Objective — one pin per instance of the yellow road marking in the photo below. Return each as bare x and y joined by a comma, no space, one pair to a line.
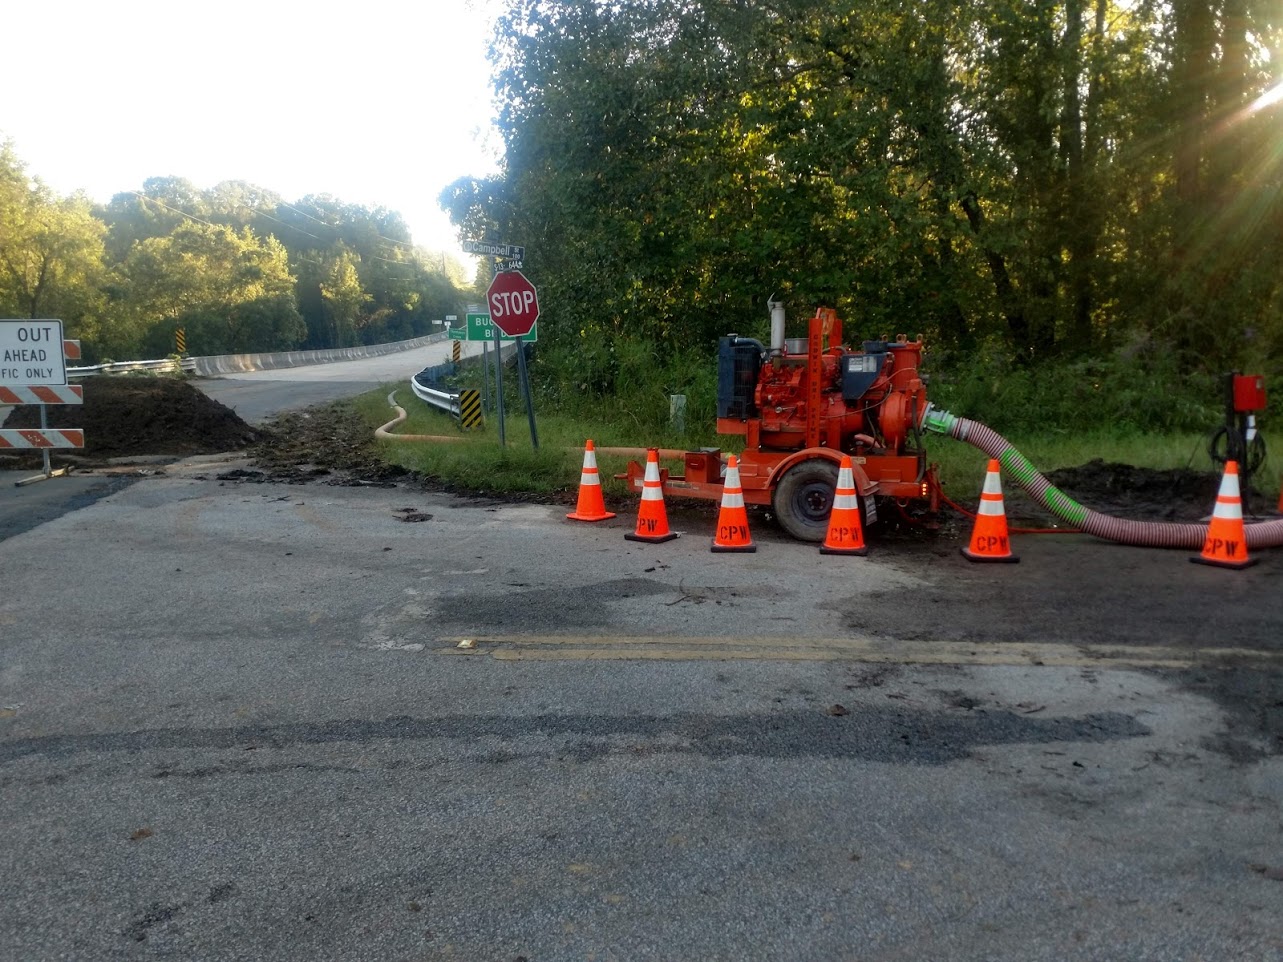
886,651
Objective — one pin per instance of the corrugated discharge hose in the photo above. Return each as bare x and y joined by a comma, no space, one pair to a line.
1145,534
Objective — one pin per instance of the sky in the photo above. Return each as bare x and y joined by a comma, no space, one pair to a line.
377,102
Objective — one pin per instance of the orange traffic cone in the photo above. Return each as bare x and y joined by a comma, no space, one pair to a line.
989,540
846,534
652,519
1226,542
591,506
732,520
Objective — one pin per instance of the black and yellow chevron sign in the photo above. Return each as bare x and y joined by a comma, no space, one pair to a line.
180,341
470,409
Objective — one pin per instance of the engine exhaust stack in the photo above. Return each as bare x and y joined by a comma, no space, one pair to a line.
777,326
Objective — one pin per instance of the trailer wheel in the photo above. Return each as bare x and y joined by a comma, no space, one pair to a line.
804,498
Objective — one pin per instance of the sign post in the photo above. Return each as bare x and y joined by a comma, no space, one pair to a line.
514,309
525,389
498,386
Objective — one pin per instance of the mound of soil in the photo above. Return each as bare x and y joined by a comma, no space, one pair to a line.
301,446
1144,494
131,416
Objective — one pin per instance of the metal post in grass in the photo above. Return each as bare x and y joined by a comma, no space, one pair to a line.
677,412
525,390
498,387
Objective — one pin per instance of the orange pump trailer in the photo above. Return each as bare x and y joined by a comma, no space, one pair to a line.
805,411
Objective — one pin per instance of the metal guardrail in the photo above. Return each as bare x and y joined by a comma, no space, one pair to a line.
168,365
447,401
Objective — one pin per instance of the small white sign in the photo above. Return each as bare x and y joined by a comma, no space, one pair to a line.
31,353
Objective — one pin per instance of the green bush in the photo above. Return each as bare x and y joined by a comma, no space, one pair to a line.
1138,388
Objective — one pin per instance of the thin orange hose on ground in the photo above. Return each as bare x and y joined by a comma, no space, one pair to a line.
384,433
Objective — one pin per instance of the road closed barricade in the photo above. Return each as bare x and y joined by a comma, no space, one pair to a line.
33,370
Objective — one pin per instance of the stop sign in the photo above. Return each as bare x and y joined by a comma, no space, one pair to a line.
514,303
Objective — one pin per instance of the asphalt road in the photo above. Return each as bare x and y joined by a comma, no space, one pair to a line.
257,395
276,722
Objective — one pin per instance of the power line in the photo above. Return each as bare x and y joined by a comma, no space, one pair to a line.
259,213
199,220
181,213
335,227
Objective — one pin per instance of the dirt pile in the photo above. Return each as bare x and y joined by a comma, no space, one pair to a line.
128,416
328,439
1144,494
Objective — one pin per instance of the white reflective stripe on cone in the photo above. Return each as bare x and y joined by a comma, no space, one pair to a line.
1231,510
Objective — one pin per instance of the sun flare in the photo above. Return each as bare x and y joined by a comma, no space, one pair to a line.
1269,98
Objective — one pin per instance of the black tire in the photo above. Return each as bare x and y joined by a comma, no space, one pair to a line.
804,498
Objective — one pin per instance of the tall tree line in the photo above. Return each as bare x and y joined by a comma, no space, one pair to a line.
1044,180
237,267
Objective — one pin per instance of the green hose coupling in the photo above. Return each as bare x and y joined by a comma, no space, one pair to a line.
941,422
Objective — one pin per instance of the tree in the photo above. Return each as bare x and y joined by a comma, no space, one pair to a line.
1052,179
51,251
232,288
401,286
155,211
344,298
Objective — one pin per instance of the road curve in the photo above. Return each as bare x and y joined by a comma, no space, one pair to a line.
257,395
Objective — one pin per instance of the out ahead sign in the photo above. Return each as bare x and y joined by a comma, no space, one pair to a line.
513,303
31,353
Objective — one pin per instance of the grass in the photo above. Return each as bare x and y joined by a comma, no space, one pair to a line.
476,462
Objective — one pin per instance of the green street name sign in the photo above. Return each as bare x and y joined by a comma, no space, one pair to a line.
477,327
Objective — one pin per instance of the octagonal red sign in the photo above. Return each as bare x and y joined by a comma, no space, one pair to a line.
513,303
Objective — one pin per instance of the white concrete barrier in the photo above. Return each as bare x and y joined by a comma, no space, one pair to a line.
240,363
